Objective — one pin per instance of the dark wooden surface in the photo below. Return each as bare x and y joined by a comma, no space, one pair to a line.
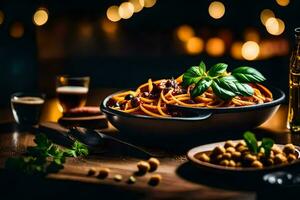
180,180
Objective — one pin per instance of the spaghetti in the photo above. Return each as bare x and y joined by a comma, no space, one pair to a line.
153,98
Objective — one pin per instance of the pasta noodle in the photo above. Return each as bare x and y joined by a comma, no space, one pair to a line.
153,98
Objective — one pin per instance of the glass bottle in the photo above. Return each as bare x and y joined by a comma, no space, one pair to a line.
294,86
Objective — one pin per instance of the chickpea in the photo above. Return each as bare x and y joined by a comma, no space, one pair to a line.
269,162
219,158
230,150
91,172
154,163
289,149
236,155
154,179
251,158
228,143
143,167
131,180
260,155
240,144
243,149
238,164
279,159
118,177
218,150
103,173
232,163
224,162
276,149
203,157
257,164
291,157
226,156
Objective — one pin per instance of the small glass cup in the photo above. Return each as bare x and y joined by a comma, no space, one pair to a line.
27,107
72,91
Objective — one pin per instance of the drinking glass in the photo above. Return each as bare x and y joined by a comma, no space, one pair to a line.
26,107
72,91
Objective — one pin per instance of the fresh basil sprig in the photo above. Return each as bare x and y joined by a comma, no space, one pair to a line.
224,84
46,157
252,145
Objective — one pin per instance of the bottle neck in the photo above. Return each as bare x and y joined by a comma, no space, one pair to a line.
297,34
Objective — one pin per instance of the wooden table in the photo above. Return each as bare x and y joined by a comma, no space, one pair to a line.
178,180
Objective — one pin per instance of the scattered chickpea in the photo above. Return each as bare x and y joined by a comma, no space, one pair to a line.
91,172
154,179
291,157
154,163
103,173
218,150
118,177
240,144
279,159
289,149
143,167
131,180
257,164
228,143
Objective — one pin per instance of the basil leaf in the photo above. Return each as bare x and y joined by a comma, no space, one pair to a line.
192,75
232,84
267,144
202,68
217,69
201,87
247,74
221,92
251,141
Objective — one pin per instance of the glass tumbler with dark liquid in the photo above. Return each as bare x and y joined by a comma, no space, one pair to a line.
294,86
72,91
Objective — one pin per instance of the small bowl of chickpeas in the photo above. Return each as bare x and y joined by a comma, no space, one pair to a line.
236,156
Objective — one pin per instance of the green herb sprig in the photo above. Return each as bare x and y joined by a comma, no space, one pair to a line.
225,85
45,157
252,144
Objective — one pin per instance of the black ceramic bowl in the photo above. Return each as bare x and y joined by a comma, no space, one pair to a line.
205,119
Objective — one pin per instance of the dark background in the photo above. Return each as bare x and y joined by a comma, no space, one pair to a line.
74,41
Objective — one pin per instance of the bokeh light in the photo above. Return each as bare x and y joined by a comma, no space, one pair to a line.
283,2
149,3
216,10
126,10
185,32
108,26
40,17
265,15
252,34
112,13
1,17
194,45
16,30
85,30
215,46
250,50
236,50
275,26
137,5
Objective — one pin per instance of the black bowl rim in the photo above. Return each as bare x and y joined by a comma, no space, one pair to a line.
279,95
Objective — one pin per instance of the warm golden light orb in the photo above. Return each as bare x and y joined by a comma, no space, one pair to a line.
126,10
216,9
112,13
194,45
40,17
185,32
250,50
215,46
